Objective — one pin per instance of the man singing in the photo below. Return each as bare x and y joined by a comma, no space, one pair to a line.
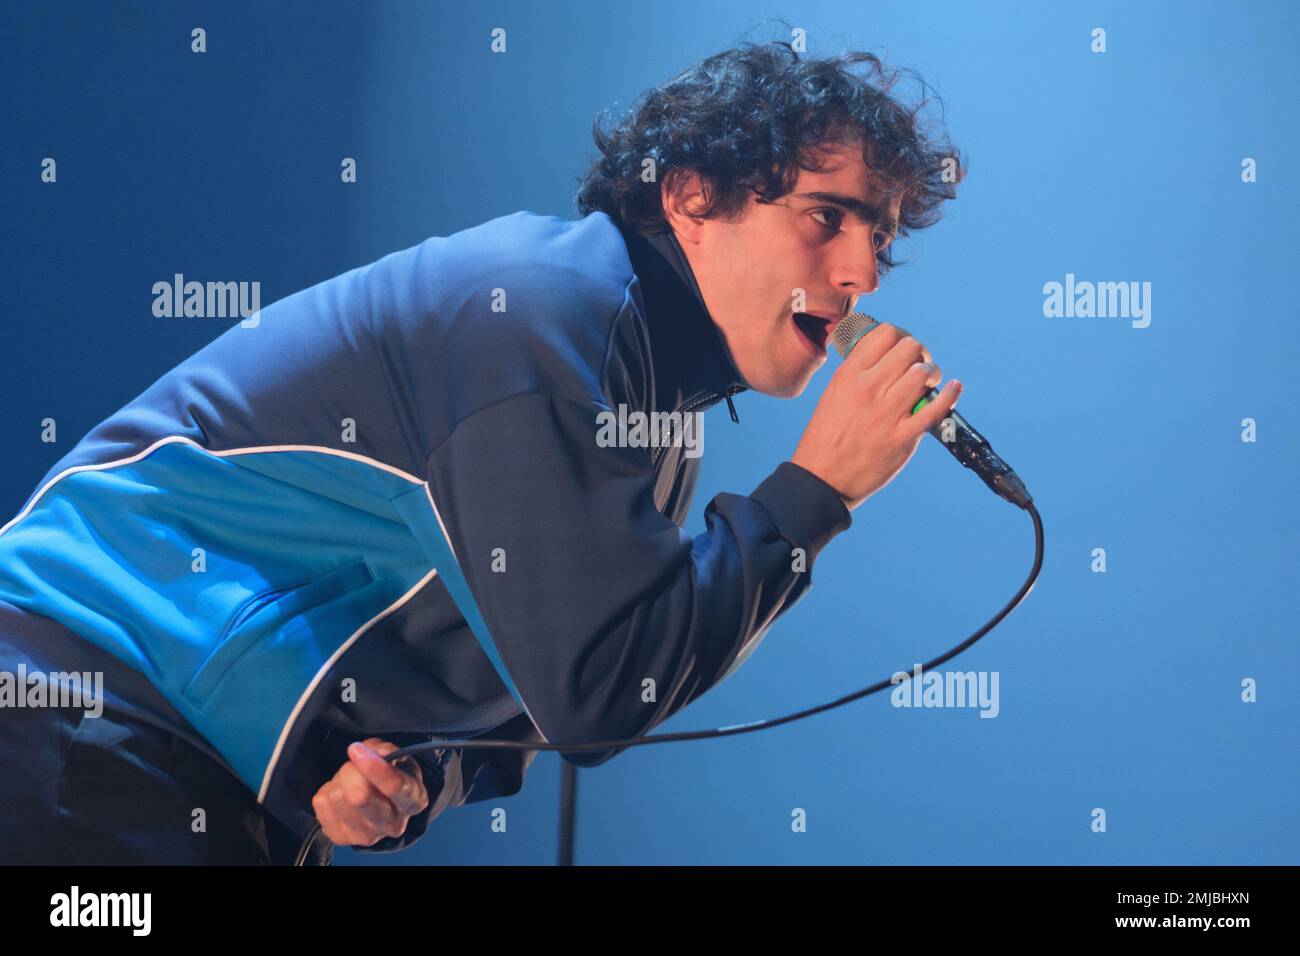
381,513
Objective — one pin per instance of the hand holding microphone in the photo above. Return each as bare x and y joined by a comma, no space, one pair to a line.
876,407
862,431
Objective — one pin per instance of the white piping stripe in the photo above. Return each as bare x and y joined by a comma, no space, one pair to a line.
185,439
432,504
442,527
320,674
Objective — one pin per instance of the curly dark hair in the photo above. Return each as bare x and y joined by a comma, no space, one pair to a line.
747,119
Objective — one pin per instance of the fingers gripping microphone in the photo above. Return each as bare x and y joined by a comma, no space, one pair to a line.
955,433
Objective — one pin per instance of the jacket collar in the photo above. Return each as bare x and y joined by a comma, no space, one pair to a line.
690,359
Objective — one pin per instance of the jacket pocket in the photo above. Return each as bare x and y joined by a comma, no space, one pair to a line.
263,614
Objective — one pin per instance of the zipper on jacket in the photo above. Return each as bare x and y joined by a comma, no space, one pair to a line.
696,403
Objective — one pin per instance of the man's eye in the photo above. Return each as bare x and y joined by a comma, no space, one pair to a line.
835,214
883,239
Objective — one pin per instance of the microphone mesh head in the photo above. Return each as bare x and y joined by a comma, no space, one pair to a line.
851,328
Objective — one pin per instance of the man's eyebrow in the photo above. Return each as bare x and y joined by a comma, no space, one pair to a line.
859,207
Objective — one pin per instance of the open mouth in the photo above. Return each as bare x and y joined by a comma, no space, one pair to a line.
813,328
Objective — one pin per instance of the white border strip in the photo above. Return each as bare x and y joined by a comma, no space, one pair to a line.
320,675
446,537
428,493
185,439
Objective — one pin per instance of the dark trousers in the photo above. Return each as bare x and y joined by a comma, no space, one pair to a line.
120,788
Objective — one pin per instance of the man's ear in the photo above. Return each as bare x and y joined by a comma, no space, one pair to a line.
683,191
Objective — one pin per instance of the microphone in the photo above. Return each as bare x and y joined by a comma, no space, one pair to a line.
966,444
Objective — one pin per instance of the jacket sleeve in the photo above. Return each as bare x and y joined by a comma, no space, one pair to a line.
606,616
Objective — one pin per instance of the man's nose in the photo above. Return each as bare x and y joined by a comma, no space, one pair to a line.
856,272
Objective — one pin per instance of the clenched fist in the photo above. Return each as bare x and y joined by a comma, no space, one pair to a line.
862,431
369,798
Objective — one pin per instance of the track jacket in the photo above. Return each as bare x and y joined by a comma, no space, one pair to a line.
383,510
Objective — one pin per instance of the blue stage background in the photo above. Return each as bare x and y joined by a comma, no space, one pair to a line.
1118,690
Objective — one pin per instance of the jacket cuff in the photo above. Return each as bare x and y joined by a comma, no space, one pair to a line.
806,510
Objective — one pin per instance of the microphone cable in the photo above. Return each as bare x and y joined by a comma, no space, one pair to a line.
730,731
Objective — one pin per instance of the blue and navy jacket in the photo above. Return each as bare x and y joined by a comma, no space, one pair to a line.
381,509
